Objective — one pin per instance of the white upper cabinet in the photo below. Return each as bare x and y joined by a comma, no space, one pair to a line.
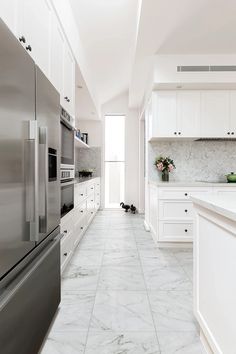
193,114
188,113
232,113
215,113
67,99
34,26
56,56
165,116
8,11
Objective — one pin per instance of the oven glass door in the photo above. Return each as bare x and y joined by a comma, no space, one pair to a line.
67,145
67,197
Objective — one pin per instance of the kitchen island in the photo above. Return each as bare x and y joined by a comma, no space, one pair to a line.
215,271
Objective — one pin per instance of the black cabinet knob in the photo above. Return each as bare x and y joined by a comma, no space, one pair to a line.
175,133
228,133
29,48
65,254
185,230
68,100
186,194
232,133
81,211
91,212
186,210
81,227
65,231
81,194
179,133
22,39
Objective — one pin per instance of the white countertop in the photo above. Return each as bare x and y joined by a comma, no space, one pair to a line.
221,204
192,184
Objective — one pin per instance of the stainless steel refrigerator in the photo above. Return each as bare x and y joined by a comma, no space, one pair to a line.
29,199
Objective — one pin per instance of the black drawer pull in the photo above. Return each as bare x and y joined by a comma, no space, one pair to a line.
232,133
22,39
175,133
65,254
81,227
81,194
228,133
29,48
65,231
179,133
186,194
186,210
81,211
185,230
91,212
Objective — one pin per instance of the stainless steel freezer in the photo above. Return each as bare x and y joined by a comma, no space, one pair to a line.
29,199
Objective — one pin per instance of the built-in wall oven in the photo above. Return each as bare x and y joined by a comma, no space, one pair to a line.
67,140
67,163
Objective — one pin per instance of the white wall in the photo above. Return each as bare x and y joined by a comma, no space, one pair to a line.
94,130
119,106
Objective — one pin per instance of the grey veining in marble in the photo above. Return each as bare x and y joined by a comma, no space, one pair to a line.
209,160
180,343
88,159
121,310
172,310
122,343
126,294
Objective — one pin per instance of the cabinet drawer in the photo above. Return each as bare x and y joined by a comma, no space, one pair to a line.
180,194
90,189
67,222
66,250
80,193
169,209
175,231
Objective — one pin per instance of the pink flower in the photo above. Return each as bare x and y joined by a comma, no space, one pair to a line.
160,166
170,167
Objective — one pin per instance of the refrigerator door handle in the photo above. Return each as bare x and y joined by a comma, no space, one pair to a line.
31,180
43,182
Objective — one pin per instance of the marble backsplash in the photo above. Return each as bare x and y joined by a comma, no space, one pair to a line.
195,160
88,159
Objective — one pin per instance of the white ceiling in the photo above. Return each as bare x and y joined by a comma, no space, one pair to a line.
107,29
121,37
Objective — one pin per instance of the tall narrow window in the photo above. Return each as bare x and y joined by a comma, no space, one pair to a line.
114,160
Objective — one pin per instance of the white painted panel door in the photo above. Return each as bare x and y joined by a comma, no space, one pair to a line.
56,57
69,81
215,114
153,208
188,113
233,113
34,18
8,12
165,117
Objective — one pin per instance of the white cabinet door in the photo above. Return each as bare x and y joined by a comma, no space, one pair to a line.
69,81
233,113
8,12
153,208
215,114
188,113
165,117
34,18
56,57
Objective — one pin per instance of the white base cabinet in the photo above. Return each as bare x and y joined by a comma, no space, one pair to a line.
171,212
76,222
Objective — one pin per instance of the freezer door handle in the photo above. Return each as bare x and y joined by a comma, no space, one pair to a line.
43,179
31,180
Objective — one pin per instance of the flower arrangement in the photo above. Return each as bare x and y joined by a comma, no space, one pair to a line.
164,165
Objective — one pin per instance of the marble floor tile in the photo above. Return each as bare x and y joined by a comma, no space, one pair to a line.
141,233
166,277
157,257
122,343
172,310
119,234
121,311
65,343
74,312
188,268
121,278
87,257
183,255
121,244
76,278
92,243
121,257
180,343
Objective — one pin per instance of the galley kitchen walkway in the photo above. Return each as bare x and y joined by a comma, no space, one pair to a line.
121,294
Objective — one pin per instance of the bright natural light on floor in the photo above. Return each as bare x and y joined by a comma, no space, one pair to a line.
114,160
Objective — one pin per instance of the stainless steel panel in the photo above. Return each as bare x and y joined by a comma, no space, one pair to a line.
17,107
48,118
30,302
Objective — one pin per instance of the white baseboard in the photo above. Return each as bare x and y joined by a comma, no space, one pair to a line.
146,226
